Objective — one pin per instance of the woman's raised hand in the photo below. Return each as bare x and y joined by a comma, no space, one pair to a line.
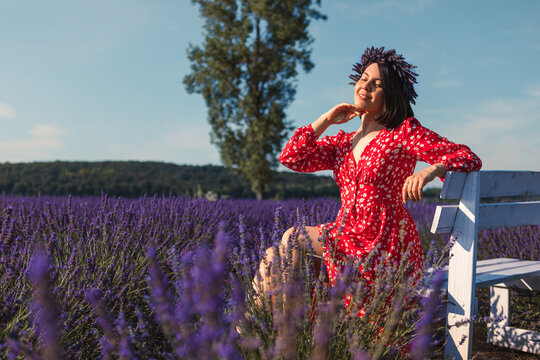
339,114
414,184
342,113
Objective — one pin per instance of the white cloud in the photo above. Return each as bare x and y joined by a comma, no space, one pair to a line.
503,132
6,111
187,138
41,141
534,90
190,145
47,136
182,145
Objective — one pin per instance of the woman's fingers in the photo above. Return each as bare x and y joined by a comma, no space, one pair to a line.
412,189
342,113
343,117
405,191
419,191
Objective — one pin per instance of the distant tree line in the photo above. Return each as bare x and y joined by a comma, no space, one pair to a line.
134,179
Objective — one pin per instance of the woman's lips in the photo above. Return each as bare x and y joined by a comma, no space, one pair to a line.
364,97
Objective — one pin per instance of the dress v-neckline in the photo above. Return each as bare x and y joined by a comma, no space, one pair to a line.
356,162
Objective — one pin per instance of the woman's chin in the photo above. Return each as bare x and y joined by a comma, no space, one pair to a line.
360,107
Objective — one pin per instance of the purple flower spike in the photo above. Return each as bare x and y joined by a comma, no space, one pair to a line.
162,299
45,311
421,345
124,351
14,348
108,340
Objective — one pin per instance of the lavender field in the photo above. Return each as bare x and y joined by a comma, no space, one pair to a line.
170,277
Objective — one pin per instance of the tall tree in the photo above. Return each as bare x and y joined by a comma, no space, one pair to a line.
246,71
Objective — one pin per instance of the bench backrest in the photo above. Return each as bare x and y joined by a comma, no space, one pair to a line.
491,184
464,221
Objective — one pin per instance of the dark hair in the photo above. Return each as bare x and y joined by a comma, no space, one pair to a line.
396,107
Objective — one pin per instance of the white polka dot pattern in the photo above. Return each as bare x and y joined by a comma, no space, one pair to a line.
371,211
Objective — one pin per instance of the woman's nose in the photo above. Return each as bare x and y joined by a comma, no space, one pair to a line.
364,87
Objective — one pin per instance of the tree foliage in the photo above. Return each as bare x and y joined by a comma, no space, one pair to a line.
246,70
133,179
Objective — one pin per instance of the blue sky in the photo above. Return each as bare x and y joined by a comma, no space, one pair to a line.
102,79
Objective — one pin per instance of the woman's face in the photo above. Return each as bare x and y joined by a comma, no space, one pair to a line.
368,91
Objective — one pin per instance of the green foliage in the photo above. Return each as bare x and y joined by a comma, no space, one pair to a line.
246,71
134,179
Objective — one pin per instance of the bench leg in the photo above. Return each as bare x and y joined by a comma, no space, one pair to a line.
459,338
500,304
500,333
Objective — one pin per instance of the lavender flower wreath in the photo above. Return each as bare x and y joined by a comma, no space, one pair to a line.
395,61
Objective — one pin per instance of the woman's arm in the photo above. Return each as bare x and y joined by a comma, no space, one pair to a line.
339,114
304,153
412,188
321,124
441,153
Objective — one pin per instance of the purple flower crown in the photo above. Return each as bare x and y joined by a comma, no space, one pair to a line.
390,58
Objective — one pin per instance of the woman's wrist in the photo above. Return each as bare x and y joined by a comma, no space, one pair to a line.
435,170
321,124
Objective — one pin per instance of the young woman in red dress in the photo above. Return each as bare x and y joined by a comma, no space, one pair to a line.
373,167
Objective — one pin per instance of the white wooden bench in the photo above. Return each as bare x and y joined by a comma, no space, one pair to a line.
465,274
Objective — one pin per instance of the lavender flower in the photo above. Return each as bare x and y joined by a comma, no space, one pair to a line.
109,340
421,345
101,243
162,299
45,310
124,352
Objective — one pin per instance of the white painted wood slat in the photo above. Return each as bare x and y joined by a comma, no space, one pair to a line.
453,185
494,184
462,266
482,263
485,266
501,270
444,218
508,274
500,304
509,214
491,216
519,339
509,183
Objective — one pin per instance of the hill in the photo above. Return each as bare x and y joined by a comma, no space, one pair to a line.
137,178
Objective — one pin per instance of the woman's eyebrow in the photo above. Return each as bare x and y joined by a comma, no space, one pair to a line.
367,74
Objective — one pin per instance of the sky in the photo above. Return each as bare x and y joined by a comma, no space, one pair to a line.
102,80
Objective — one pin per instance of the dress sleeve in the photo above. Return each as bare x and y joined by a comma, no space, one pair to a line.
432,148
304,153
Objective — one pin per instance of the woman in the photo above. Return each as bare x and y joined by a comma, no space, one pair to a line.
373,167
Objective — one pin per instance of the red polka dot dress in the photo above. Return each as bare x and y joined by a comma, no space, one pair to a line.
372,212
